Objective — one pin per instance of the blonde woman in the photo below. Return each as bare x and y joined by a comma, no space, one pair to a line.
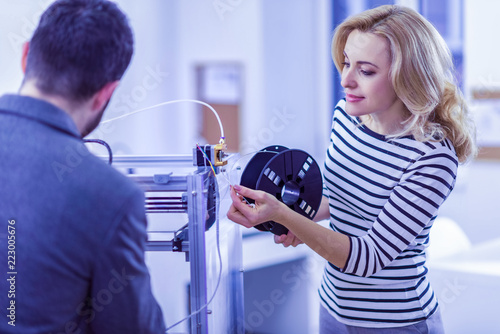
396,141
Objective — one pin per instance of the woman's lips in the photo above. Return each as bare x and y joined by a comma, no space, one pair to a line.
353,98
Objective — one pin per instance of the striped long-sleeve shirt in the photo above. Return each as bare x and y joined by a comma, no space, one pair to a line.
384,194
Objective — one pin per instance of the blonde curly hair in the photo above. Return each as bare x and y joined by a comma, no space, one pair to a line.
421,73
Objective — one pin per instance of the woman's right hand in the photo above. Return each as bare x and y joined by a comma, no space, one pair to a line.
265,207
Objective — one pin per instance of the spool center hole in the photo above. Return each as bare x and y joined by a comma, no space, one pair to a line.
290,192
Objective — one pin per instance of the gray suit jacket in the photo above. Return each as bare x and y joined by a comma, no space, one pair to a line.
72,232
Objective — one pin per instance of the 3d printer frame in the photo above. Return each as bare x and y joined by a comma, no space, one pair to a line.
195,196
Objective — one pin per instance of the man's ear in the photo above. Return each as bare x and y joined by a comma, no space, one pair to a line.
102,97
24,56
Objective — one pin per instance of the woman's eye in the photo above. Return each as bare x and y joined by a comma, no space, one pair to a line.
346,64
367,73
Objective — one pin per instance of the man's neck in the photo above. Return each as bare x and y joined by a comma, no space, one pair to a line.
76,112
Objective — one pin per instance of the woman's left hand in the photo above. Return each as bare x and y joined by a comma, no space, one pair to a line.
287,240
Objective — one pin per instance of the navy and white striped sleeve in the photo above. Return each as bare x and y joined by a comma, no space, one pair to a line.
412,205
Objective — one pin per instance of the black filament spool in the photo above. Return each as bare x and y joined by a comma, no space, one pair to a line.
291,175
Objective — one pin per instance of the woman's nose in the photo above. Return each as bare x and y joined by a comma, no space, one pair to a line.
347,80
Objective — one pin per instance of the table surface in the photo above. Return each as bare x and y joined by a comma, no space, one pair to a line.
480,259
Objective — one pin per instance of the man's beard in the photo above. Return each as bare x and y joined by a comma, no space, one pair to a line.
94,123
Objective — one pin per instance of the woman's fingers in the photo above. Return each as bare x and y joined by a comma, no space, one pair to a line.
287,240
241,211
238,200
296,242
264,207
278,239
236,216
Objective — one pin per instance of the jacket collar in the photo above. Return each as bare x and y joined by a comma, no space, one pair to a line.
39,111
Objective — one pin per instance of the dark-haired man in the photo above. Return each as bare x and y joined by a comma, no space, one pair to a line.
73,229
